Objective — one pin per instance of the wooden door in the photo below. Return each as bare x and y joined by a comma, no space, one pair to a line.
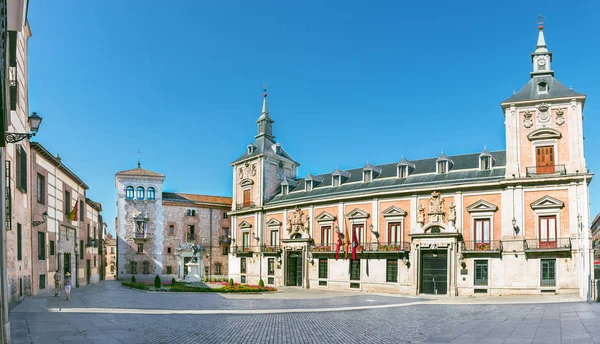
544,159
547,234
246,198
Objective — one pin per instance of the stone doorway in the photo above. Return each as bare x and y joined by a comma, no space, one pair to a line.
294,269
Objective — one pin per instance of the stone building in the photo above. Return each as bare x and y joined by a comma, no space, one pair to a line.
156,229
93,223
497,223
110,257
18,222
61,216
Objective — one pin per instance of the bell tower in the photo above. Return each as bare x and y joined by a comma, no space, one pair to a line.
541,58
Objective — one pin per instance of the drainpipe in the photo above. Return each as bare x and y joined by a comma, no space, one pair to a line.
210,247
4,321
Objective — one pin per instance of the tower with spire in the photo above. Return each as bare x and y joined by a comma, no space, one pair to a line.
544,122
258,173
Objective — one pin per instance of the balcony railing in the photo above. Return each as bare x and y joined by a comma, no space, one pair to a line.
270,248
224,239
243,249
482,246
366,247
190,237
537,171
140,235
557,244
245,205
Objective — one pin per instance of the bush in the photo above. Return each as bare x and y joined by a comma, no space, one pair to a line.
231,282
205,279
173,281
261,283
133,279
157,283
223,279
214,279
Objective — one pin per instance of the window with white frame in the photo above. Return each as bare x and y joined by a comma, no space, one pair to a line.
274,237
394,233
486,163
442,167
140,192
325,235
336,181
367,176
309,185
402,171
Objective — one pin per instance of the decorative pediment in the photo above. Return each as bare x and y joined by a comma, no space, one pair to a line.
274,223
547,202
357,214
140,217
394,211
246,182
325,216
481,206
544,134
245,225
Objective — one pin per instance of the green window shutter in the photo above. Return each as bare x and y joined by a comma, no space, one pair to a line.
23,169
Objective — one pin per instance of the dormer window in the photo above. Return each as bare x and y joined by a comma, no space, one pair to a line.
486,163
367,176
336,181
542,87
443,164
402,171
309,185
250,149
442,167
277,148
285,189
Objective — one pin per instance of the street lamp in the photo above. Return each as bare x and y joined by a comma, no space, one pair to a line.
34,125
76,250
515,227
44,217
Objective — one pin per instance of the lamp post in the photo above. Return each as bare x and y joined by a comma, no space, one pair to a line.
44,217
34,125
76,250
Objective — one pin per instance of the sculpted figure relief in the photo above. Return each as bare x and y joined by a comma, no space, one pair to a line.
452,212
298,222
421,214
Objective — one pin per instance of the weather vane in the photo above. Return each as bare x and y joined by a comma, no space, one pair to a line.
265,88
540,19
138,155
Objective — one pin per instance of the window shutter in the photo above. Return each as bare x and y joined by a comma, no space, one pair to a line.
23,169
12,48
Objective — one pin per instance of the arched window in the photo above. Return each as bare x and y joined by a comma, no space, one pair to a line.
129,192
140,192
151,193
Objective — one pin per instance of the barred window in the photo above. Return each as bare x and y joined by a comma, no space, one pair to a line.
243,265
271,267
354,270
322,267
391,271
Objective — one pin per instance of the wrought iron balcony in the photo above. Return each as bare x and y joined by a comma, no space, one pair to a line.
224,239
245,205
243,249
270,248
140,236
91,242
482,246
190,237
544,171
366,247
556,244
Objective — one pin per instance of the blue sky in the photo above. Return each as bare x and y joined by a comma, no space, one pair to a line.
349,81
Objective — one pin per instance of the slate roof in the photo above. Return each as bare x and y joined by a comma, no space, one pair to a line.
465,169
266,146
138,171
196,199
555,90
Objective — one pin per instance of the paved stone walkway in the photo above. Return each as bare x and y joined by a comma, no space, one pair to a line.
109,313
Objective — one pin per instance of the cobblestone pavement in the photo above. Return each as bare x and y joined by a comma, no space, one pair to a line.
42,319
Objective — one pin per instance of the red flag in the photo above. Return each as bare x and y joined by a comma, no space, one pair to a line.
338,244
354,244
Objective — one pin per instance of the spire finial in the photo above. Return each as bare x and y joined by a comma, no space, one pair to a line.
138,156
265,89
540,19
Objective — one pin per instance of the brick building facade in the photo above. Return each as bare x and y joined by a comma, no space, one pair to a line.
498,223
155,229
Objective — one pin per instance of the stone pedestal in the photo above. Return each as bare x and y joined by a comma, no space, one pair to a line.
194,272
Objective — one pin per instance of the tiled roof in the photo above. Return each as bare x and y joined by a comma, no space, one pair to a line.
138,171
195,198
465,169
555,90
57,162
93,204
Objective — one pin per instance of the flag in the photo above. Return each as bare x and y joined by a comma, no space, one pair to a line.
73,213
346,244
354,244
338,245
